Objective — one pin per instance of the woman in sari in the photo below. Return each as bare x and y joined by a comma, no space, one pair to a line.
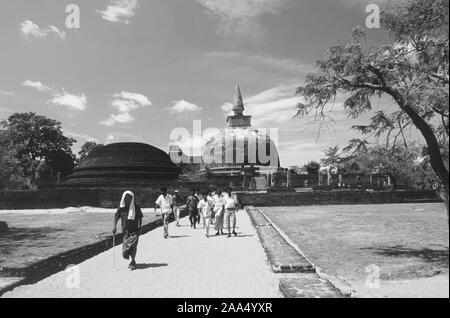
130,216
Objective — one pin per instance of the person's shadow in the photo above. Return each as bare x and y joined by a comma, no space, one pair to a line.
244,235
153,265
178,236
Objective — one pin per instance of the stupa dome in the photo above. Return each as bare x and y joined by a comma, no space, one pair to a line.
237,146
124,163
240,145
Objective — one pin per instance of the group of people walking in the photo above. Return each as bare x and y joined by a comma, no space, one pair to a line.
214,208
206,209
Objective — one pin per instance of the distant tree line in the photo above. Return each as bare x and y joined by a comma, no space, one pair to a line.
403,164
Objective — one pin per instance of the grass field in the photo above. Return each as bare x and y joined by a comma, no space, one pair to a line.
406,241
35,236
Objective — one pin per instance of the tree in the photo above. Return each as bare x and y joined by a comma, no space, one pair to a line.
413,70
61,161
11,173
332,158
312,167
36,140
398,163
297,169
38,136
87,148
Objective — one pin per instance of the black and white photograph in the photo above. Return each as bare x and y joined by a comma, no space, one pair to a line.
228,156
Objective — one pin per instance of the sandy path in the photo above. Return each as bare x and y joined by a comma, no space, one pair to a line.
187,265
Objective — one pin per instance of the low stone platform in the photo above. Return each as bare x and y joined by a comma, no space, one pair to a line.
298,277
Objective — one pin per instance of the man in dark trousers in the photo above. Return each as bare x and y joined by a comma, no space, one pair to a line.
192,207
231,207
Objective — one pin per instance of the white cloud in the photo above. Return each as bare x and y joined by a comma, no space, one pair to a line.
120,11
37,85
134,97
121,137
124,118
32,31
124,103
6,93
227,107
79,136
113,119
182,106
124,106
80,139
76,102
273,113
273,94
290,65
239,17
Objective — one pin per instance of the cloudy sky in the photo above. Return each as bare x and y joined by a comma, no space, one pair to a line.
135,70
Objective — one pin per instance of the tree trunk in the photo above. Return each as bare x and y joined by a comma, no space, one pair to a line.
393,180
444,193
434,151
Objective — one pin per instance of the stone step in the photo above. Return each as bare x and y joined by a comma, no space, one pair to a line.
308,286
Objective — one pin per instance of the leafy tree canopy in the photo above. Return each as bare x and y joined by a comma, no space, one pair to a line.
312,167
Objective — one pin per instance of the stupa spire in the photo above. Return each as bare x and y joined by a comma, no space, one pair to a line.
238,119
238,103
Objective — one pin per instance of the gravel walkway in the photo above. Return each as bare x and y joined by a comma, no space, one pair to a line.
186,265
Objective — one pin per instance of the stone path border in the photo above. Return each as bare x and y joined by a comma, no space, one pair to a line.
298,276
9,283
282,256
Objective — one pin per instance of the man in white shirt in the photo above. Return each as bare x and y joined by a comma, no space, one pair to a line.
230,212
205,209
165,203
